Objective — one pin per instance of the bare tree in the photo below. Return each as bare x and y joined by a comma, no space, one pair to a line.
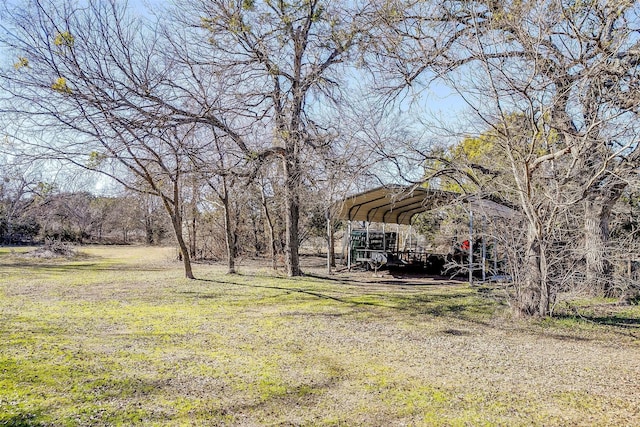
92,84
283,56
567,72
221,183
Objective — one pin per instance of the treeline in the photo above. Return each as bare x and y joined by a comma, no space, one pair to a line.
82,217
30,217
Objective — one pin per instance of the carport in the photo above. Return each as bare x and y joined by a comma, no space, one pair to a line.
396,204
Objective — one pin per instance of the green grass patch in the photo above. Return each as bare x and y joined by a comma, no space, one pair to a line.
117,336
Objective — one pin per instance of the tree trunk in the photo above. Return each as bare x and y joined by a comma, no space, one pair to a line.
597,214
193,223
257,245
172,207
228,230
534,296
292,215
546,295
331,258
332,246
271,230
595,238
229,239
176,222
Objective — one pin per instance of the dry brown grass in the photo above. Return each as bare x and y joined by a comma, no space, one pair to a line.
119,338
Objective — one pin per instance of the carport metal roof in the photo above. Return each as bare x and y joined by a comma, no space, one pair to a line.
398,204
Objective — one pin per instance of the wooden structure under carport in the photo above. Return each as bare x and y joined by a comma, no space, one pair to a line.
396,204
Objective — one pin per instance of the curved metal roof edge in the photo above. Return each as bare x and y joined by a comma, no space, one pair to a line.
391,201
379,210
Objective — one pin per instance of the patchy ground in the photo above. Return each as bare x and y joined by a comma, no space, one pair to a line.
120,338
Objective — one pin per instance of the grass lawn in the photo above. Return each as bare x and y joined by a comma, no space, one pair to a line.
117,337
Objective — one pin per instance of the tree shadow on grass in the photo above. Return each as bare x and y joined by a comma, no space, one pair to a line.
461,305
68,268
281,288
329,278
28,419
617,320
625,326
567,337
402,280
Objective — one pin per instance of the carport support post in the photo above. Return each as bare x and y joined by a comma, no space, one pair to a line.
367,226
349,245
484,249
470,247
495,248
